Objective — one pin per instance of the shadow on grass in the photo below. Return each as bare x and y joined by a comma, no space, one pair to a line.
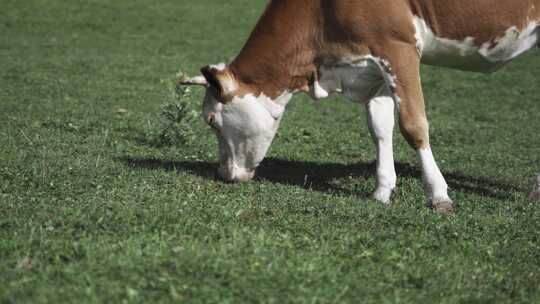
324,177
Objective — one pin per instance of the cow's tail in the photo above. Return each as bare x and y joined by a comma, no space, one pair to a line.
537,30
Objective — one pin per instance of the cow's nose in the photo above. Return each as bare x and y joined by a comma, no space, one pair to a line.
211,118
245,176
235,174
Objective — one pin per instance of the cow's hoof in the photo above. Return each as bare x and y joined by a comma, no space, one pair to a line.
382,195
535,196
442,206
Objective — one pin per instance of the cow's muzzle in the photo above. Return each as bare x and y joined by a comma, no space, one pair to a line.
235,174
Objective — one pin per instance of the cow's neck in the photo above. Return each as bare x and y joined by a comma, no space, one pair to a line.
280,54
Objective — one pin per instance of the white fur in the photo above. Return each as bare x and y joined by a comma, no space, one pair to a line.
275,107
245,128
434,183
318,91
357,78
219,66
381,124
512,44
467,55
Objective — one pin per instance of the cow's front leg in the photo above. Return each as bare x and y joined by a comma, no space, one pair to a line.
405,65
380,111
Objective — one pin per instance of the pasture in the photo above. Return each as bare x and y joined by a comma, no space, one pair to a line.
94,209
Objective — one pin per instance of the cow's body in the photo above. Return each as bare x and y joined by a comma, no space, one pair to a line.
293,39
370,51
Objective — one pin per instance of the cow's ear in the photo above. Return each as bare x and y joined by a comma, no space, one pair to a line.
222,80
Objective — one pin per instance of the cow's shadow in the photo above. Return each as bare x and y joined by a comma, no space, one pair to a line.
322,176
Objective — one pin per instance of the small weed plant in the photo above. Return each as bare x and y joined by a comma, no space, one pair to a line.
173,125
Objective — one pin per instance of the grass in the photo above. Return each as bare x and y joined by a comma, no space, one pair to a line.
92,211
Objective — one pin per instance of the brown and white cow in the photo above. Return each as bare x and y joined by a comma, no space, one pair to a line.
368,51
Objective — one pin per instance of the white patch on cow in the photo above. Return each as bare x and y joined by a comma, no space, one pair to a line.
380,112
245,128
357,78
434,183
318,91
512,44
430,45
219,66
275,107
467,55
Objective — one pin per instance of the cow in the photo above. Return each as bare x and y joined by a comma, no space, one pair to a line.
368,51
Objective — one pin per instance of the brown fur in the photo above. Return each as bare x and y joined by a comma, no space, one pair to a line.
294,37
484,20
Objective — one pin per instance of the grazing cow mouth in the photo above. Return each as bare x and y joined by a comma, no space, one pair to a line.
235,174
229,170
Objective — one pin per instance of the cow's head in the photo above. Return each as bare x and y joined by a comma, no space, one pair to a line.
244,122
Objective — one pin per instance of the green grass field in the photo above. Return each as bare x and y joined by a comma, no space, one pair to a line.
93,210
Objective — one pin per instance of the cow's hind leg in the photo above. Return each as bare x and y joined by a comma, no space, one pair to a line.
405,65
380,111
